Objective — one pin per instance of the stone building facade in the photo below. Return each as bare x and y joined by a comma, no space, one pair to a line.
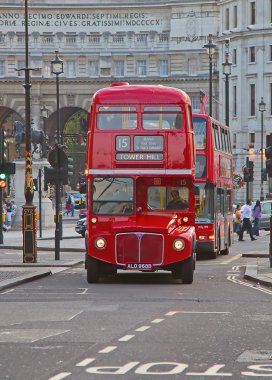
154,42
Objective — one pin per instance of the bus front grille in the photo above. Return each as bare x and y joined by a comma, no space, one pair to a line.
139,247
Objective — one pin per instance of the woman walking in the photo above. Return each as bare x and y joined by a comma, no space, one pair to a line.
257,213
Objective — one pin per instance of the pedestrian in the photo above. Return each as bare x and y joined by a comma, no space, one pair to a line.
8,206
247,226
237,226
14,210
257,213
68,206
72,199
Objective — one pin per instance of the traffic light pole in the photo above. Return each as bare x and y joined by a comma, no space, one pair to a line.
1,214
40,200
247,183
57,220
270,243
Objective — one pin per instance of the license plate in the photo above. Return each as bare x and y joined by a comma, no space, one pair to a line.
139,266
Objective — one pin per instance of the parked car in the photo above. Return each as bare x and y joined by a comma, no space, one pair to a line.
264,222
81,226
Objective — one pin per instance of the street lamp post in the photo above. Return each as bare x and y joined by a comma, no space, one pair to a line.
262,109
210,47
57,69
28,222
227,71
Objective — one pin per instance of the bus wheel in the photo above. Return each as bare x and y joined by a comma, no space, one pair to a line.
92,270
226,250
176,271
187,270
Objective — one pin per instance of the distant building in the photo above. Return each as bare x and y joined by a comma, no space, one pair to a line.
154,42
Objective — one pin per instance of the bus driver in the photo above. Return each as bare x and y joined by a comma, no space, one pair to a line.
176,203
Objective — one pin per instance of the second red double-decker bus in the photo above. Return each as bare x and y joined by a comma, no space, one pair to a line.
214,214
141,163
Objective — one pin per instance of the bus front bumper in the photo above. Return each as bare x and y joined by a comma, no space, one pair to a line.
205,247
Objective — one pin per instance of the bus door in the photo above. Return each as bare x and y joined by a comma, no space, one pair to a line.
227,211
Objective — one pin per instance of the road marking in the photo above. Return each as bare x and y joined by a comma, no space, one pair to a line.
60,376
73,316
107,349
236,257
85,362
50,335
253,286
8,291
211,371
84,290
158,320
126,338
170,313
203,312
143,328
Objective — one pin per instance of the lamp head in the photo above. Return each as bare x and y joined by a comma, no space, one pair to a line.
57,64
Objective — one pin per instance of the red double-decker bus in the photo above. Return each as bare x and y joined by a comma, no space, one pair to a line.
141,163
214,168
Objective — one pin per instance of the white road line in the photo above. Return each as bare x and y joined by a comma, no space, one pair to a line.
253,286
84,290
126,338
203,312
60,376
143,328
170,313
85,362
107,349
8,291
159,320
49,336
73,316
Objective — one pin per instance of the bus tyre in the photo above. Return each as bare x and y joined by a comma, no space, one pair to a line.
187,270
226,250
92,270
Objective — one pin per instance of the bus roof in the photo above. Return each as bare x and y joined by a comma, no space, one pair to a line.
125,93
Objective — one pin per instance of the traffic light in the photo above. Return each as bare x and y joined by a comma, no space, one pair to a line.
35,184
251,171
268,156
246,174
50,175
3,180
70,167
61,167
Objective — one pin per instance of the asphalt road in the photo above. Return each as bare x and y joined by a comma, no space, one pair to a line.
139,326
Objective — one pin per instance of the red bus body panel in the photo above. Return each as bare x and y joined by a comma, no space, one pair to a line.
214,237
146,236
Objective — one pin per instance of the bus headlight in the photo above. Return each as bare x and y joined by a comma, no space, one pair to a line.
178,245
100,243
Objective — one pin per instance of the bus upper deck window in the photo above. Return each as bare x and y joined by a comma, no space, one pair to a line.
162,117
116,118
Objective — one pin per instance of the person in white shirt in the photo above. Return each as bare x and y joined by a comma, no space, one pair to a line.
247,226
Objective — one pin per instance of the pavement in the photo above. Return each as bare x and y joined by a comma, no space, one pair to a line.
72,253
14,272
